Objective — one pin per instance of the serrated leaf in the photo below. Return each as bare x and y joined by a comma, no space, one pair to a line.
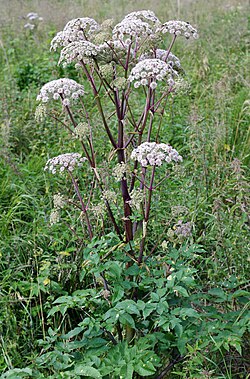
145,369
127,371
87,371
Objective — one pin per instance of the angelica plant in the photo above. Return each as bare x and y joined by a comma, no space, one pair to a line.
119,62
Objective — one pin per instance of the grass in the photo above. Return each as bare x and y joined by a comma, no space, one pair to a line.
209,124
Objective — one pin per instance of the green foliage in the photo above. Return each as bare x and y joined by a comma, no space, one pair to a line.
73,309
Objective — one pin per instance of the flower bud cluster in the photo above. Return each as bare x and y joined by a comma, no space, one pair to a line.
111,50
149,71
40,112
54,217
136,198
98,210
78,29
82,130
119,171
77,51
109,196
59,201
64,162
177,210
64,89
182,229
179,28
154,154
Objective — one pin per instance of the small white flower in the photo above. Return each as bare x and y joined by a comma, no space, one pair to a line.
66,102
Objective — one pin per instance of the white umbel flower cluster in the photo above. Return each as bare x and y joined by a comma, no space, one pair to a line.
78,29
144,15
64,162
130,29
77,51
33,20
64,89
149,71
179,28
163,55
154,154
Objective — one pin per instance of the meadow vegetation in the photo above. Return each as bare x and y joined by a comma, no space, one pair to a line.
171,302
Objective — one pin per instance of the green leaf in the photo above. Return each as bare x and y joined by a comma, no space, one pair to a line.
162,306
126,319
178,330
145,369
87,371
240,293
74,332
155,296
113,268
149,308
179,290
218,292
118,294
17,373
129,306
127,371
133,270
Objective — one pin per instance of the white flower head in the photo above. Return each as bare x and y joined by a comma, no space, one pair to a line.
77,51
150,71
78,29
144,15
178,28
64,162
64,89
163,55
154,154
29,26
132,29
